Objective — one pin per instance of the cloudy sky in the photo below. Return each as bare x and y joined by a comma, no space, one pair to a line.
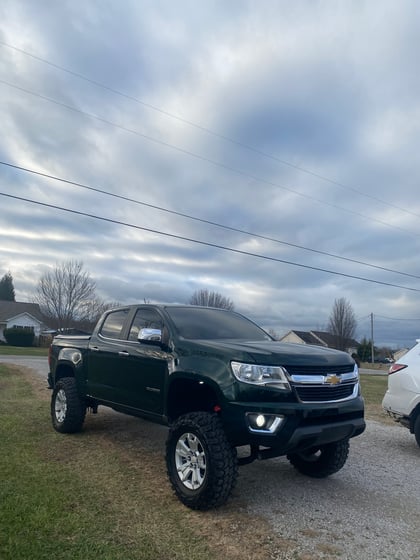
268,151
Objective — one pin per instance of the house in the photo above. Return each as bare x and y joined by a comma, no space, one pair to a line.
319,338
19,314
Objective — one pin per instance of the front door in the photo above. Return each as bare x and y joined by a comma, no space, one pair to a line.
143,366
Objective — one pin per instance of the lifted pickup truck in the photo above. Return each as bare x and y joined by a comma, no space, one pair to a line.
219,382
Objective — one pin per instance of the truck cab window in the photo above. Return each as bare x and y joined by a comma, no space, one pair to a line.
114,323
144,319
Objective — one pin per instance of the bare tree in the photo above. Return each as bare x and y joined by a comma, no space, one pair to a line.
342,323
211,299
90,312
274,334
63,294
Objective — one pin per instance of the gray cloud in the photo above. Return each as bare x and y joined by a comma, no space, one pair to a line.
333,90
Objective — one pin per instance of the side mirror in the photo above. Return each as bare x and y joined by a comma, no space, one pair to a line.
151,336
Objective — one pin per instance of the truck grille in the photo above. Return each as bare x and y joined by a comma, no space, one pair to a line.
319,370
322,393
324,383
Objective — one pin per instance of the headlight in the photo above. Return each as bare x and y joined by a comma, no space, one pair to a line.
255,374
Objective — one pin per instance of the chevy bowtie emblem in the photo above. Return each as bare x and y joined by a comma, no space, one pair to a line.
332,379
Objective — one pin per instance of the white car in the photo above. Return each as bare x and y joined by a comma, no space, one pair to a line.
402,399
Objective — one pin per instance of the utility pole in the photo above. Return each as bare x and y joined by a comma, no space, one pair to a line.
371,339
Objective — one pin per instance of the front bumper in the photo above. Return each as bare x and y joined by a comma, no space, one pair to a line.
301,426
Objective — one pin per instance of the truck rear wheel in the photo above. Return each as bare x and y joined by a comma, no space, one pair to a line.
320,462
201,463
67,408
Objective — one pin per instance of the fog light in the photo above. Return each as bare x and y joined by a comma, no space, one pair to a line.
260,421
264,423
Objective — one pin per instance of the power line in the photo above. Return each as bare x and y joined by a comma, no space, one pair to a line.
204,158
394,318
208,130
209,222
206,243
363,318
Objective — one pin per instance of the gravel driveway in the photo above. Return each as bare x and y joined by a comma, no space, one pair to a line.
370,510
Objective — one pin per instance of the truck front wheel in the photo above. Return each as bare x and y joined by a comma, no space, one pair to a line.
319,462
67,408
201,464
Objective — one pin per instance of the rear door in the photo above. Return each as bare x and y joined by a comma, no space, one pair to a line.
104,359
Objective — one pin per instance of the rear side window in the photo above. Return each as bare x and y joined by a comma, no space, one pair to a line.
114,323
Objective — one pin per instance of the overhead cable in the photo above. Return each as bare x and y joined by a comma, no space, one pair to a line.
209,222
208,130
205,243
204,158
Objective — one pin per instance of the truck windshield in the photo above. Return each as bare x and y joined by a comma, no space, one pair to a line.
198,323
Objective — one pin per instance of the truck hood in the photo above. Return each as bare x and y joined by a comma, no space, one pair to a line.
278,353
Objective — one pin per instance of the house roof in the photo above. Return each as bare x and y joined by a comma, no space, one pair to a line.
327,338
331,339
321,338
308,337
10,309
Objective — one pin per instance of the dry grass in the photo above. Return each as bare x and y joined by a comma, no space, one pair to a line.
104,492
5,349
116,496
373,390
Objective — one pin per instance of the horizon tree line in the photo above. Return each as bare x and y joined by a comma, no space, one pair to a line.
67,298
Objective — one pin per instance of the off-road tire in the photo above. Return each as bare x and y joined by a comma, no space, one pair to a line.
320,462
67,408
201,464
417,429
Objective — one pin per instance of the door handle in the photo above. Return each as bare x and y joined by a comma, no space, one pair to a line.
123,353
94,348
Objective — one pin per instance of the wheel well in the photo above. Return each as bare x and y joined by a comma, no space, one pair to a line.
188,395
63,371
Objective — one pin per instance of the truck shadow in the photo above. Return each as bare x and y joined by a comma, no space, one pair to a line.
128,430
260,481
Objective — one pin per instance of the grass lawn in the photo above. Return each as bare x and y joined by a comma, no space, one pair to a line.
373,391
103,493
5,349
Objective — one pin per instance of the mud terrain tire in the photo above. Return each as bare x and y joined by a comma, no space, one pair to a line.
320,462
67,408
201,463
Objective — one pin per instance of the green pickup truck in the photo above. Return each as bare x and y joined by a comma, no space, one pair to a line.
220,382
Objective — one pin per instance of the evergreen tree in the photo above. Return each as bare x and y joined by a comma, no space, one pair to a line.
7,291
364,350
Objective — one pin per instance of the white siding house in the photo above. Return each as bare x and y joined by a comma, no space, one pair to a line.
19,314
318,338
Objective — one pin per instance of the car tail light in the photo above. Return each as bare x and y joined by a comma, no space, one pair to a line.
396,367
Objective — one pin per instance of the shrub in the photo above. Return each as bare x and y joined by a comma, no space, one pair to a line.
19,336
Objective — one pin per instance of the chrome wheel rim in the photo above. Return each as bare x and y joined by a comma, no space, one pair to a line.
60,405
190,461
